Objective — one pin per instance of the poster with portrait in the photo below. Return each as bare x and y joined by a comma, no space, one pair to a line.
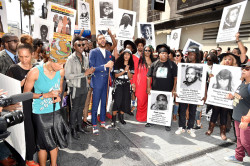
147,31
190,43
3,18
225,80
160,106
126,20
120,43
63,19
83,15
230,22
17,136
106,14
191,83
43,29
175,39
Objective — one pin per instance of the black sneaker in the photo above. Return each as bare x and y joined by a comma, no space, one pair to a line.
167,128
197,127
148,125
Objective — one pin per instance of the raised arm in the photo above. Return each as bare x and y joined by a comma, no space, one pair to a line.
241,47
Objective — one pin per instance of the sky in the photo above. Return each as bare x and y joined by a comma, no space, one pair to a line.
13,12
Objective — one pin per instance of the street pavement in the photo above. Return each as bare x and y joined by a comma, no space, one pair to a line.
134,144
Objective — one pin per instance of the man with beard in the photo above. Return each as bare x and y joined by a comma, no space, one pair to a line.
101,60
8,55
44,33
192,78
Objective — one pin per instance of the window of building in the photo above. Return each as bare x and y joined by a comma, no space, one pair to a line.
153,15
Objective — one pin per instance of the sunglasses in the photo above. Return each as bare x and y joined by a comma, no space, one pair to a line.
209,60
147,50
177,55
218,50
247,68
79,45
16,41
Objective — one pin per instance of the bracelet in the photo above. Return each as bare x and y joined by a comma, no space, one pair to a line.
41,96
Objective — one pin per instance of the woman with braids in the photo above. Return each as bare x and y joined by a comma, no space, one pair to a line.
19,72
140,83
124,70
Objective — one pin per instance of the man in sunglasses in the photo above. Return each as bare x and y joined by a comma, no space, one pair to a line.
241,116
8,55
76,72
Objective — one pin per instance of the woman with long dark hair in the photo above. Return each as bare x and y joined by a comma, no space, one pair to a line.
140,83
124,70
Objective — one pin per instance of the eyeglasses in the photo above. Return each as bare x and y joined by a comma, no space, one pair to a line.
147,50
79,45
16,41
247,68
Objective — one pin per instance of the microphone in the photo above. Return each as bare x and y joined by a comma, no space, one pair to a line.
15,99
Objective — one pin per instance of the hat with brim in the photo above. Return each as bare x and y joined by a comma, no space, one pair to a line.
246,64
126,42
109,43
160,46
221,56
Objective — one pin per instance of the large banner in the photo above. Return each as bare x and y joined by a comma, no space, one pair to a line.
147,31
105,14
160,106
17,136
230,22
126,20
191,83
225,80
63,19
190,43
3,18
83,15
175,39
43,29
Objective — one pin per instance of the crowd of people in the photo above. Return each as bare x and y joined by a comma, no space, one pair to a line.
77,76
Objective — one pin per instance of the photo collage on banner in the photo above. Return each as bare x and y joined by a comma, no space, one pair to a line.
3,18
17,136
105,17
43,29
63,19
160,105
190,43
230,22
191,81
175,39
146,31
226,79
83,15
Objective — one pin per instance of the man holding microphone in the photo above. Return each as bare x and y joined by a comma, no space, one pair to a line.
101,60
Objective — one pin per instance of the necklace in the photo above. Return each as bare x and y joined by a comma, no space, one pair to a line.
51,71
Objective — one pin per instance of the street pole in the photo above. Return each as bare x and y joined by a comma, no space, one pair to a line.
21,16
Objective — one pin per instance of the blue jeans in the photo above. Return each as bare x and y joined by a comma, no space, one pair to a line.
4,151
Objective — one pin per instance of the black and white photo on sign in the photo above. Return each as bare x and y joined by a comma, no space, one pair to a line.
147,31
43,29
17,136
120,43
225,80
230,22
160,1
190,43
175,39
106,14
3,19
191,81
126,21
83,15
160,106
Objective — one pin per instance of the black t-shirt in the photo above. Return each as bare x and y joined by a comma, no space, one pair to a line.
163,74
241,103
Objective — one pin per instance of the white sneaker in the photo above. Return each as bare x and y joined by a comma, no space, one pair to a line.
191,132
180,131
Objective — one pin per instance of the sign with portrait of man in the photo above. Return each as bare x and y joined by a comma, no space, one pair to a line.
191,82
147,31
126,20
225,80
230,22
43,29
190,43
106,14
83,15
3,18
175,39
160,105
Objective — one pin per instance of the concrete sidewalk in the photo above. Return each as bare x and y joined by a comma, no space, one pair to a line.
134,144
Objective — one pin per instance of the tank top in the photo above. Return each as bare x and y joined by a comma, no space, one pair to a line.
44,85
